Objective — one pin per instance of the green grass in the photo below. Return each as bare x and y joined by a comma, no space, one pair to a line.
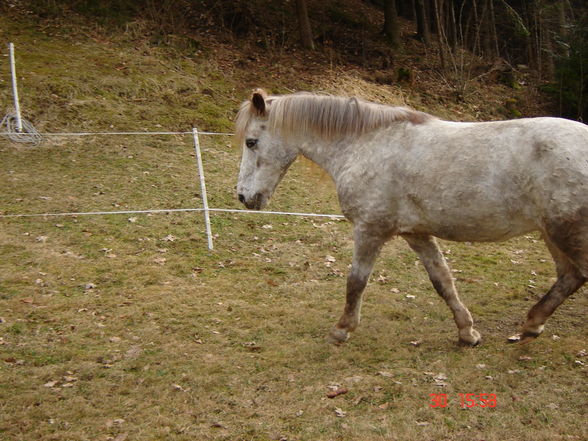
112,331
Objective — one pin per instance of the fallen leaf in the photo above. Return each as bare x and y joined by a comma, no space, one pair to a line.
133,352
160,260
50,384
354,379
439,379
358,400
337,392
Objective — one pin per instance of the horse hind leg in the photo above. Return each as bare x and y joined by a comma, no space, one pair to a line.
436,266
570,253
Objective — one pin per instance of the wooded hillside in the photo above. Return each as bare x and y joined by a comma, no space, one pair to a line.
514,42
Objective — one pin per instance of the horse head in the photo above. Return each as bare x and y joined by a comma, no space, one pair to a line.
265,157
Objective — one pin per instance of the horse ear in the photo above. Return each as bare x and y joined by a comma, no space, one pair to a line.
258,101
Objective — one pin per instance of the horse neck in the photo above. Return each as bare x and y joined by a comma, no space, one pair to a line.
330,156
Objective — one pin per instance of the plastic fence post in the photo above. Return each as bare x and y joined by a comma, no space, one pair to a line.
203,188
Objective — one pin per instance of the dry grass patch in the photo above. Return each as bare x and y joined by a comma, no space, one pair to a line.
114,328
127,327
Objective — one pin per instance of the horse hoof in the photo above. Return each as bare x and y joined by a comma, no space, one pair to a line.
514,338
528,334
338,336
471,338
523,337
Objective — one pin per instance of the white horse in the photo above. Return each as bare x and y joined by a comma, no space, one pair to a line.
402,172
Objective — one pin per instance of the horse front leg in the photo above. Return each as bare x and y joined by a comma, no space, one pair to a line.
366,249
436,266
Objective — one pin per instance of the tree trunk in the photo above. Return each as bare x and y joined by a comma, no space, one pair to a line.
391,29
439,17
304,25
562,29
422,18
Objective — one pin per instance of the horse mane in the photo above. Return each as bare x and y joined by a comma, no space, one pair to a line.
326,116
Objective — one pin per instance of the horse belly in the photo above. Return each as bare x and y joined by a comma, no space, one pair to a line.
481,233
472,222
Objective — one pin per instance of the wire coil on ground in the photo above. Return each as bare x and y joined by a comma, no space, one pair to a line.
28,134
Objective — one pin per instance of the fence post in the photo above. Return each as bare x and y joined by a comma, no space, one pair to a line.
202,188
14,88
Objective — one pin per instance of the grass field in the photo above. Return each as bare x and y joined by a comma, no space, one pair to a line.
125,327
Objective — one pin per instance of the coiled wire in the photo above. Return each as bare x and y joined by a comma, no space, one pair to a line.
28,134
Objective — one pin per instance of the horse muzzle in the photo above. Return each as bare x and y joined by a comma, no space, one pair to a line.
255,203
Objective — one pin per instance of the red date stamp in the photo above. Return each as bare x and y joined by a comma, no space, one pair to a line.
465,400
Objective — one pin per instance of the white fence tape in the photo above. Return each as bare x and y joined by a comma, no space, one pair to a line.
206,209
173,210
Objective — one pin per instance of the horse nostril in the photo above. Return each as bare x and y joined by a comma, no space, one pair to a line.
241,198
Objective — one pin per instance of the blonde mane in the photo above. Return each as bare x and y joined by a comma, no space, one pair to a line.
326,116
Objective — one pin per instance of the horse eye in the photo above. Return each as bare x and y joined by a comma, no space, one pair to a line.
251,143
